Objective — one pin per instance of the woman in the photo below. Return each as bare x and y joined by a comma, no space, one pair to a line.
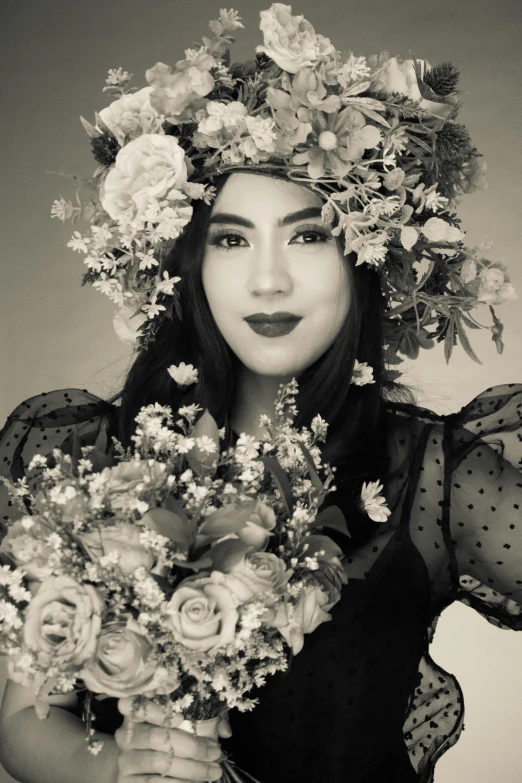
363,701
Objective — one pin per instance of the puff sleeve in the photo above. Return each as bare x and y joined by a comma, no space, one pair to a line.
65,419
485,499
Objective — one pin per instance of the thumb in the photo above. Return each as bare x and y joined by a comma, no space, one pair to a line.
224,729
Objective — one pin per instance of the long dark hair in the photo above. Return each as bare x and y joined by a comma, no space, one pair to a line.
357,434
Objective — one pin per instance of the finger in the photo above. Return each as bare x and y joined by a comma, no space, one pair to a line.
224,727
143,762
149,712
146,736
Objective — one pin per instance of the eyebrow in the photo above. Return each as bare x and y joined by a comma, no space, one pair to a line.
292,217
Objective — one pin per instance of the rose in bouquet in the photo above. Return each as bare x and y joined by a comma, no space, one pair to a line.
185,571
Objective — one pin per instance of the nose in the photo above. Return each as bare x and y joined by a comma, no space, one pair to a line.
268,273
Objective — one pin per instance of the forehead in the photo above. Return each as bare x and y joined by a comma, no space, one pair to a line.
257,195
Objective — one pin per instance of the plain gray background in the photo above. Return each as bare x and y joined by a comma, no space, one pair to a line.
55,55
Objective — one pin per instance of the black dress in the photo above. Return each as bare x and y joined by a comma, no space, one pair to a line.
364,702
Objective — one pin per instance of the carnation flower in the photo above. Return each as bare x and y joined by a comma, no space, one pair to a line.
373,503
183,374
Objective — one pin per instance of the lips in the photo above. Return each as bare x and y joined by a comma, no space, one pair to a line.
272,324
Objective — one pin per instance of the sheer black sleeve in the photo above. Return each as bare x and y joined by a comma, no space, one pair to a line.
486,504
66,419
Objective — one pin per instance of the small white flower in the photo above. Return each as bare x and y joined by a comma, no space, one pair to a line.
373,503
183,374
62,209
166,286
38,461
78,243
153,309
206,444
362,374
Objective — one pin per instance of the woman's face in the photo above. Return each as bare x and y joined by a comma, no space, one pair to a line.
267,252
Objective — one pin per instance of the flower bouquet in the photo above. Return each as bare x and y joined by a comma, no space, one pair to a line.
182,571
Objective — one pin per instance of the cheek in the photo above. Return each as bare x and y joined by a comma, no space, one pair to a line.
332,293
220,288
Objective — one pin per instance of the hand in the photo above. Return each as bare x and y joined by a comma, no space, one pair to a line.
147,757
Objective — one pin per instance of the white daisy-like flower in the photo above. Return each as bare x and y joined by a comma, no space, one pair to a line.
362,374
78,243
183,374
166,286
153,309
373,503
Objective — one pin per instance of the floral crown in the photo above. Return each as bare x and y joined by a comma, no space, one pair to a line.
376,138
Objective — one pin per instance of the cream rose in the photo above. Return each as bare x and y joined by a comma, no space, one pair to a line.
149,166
131,115
26,543
251,522
310,611
63,621
128,477
203,613
401,78
291,41
122,539
251,574
120,665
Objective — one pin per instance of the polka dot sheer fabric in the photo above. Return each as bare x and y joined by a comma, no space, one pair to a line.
364,701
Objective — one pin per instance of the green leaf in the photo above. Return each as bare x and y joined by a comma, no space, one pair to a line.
465,342
93,132
201,462
171,504
316,543
469,322
316,481
449,340
281,481
373,115
169,525
333,518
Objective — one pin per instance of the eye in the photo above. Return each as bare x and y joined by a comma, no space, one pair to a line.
217,238
319,235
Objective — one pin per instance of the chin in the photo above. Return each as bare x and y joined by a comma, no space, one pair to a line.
277,369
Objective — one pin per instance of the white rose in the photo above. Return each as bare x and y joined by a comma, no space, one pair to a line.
131,115
401,78
149,166
290,41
